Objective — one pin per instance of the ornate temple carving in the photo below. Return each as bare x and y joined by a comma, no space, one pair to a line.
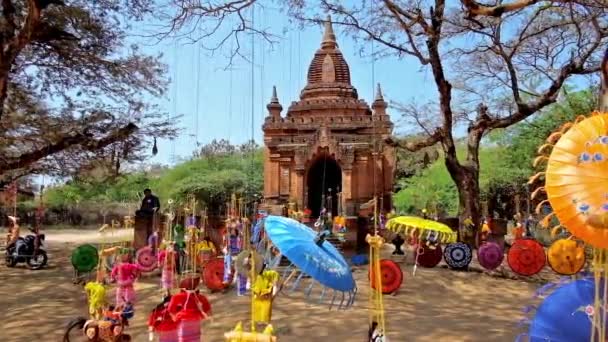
327,139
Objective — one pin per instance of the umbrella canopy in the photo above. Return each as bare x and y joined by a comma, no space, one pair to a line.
490,255
392,276
85,258
564,315
526,257
146,259
458,255
426,229
310,253
213,275
576,180
566,257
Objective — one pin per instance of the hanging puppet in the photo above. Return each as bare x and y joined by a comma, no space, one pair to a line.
167,260
125,273
161,323
96,295
188,308
234,248
264,289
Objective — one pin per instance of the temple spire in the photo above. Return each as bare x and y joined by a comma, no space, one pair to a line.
274,98
379,106
274,107
329,37
379,96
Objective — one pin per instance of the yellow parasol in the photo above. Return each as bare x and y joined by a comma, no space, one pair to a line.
576,180
425,229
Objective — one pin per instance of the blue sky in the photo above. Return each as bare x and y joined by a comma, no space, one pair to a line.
221,107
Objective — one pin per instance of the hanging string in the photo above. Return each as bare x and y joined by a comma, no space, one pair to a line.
230,96
376,296
198,92
263,49
247,241
175,75
290,64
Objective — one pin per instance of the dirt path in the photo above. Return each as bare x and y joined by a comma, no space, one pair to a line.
436,305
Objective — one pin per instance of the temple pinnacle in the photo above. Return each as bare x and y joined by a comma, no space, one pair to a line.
274,98
329,37
379,96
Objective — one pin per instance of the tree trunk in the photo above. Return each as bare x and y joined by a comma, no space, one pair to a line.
3,91
467,183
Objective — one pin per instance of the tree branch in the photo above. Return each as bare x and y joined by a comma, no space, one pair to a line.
414,146
81,139
475,9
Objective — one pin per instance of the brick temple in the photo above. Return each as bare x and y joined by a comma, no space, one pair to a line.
330,146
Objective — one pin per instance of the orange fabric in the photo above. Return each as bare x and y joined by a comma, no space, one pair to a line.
576,180
518,232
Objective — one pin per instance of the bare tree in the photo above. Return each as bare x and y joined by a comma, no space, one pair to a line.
493,65
72,94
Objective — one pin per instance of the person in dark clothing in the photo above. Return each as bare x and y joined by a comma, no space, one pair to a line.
398,242
150,203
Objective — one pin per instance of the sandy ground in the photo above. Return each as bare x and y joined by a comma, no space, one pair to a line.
435,305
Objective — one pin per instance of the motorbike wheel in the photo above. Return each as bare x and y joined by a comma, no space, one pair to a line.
10,261
39,261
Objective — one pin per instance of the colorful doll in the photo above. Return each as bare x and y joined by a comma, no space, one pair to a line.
188,308
161,323
234,248
264,289
96,297
167,260
180,244
125,273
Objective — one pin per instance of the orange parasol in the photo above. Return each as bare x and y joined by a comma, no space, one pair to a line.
566,257
576,180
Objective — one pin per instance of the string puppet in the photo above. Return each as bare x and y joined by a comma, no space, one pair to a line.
188,308
125,273
167,259
161,323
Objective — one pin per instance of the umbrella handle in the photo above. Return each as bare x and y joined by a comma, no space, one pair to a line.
287,280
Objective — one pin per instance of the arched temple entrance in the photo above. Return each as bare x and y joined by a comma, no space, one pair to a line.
323,182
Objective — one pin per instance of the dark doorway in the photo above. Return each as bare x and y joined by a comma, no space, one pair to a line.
324,182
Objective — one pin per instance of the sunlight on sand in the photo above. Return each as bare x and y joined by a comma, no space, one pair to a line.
436,305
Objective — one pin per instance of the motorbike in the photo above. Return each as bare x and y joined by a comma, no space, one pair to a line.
31,252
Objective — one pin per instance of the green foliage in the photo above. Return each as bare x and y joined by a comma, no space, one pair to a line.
212,178
505,160
524,138
430,188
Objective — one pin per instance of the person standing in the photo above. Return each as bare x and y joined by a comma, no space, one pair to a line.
14,235
150,205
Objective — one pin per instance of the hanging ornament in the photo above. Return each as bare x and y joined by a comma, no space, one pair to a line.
154,148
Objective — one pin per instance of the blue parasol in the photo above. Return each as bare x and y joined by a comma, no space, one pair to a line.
564,315
312,255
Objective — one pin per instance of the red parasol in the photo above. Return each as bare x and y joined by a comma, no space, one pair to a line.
392,276
213,275
427,256
526,257
189,283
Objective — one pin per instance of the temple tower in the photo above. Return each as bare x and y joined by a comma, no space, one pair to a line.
329,142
